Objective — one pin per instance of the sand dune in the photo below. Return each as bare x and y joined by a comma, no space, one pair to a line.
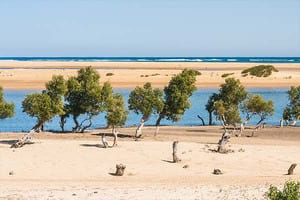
33,75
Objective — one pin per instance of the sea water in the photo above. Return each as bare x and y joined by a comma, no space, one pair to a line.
162,59
22,122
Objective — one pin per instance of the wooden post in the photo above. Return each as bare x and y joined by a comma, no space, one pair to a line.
222,142
291,169
175,157
120,168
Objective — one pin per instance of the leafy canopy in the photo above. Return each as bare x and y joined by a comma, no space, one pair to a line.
256,105
177,94
116,112
6,109
225,104
146,100
44,106
292,111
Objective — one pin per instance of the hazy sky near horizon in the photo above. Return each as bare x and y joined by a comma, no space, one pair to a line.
150,28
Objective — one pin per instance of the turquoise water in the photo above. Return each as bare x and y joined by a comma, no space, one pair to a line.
162,59
22,122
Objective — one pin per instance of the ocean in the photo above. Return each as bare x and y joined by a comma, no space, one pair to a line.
22,122
162,59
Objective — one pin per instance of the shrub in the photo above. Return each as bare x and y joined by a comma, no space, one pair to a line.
291,191
109,74
260,71
226,74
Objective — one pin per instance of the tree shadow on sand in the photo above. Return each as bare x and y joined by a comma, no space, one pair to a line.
10,142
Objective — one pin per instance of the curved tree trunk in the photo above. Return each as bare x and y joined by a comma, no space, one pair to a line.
210,118
62,123
202,120
138,132
157,124
21,142
75,129
87,126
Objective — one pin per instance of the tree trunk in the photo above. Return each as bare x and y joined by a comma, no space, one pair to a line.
21,142
202,120
291,169
87,126
281,123
222,143
120,168
115,134
175,157
157,124
223,123
210,118
62,123
75,129
104,142
138,132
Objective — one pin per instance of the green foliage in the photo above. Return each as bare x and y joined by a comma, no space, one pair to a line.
44,106
292,111
256,105
225,104
210,105
260,71
85,96
109,74
116,112
226,75
291,191
6,109
56,88
177,94
146,100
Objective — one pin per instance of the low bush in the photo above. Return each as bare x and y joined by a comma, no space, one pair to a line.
260,71
109,74
290,191
226,74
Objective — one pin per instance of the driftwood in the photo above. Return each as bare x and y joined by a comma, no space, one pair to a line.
222,143
21,142
291,169
115,142
217,172
120,168
175,157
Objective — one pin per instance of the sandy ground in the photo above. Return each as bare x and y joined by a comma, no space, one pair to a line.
33,75
75,166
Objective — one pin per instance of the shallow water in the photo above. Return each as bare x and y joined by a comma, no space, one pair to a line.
22,122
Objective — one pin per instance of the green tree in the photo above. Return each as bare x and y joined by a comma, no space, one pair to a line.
256,105
210,106
116,114
291,113
176,96
146,101
85,97
44,106
225,104
6,109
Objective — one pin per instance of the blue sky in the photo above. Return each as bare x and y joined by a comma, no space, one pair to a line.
150,28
